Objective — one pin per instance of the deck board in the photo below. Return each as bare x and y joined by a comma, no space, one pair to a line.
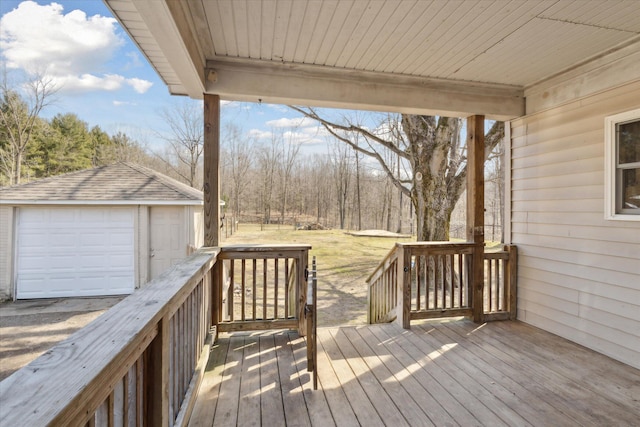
438,373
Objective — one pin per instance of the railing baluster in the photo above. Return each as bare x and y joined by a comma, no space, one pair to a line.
436,294
243,289
499,283
489,284
275,289
254,288
125,398
451,265
230,302
264,289
443,275
286,288
416,261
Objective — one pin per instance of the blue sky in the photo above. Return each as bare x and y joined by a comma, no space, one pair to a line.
105,80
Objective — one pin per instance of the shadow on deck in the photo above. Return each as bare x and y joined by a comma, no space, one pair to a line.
437,373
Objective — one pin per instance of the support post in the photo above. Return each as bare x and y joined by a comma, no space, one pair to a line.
211,157
302,288
403,278
513,281
475,209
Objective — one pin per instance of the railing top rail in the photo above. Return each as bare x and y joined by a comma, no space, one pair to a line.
393,251
496,255
264,248
86,362
438,245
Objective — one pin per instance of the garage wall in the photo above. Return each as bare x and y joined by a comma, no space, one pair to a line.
6,251
578,274
196,226
189,231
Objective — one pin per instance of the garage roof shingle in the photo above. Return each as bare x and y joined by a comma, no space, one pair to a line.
119,182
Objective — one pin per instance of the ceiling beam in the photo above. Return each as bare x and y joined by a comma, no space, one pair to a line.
299,84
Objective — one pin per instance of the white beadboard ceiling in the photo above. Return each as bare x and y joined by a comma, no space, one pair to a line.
267,49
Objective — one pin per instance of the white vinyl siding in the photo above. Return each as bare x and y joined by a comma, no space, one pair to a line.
578,274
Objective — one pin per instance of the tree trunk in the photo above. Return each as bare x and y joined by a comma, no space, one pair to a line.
17,167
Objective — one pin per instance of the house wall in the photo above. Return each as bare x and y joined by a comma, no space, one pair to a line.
578,274
6,251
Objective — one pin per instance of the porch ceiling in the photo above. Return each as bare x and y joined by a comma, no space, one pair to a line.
446,57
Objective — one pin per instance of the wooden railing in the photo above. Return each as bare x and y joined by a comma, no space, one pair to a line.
500,291
312,323
382,295
263,287
139,363
433,279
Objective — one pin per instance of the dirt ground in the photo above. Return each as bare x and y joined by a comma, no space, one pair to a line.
29,328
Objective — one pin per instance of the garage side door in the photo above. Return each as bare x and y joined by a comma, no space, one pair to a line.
168,242
82,251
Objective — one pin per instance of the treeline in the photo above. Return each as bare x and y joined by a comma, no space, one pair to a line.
65,144
32,147
274,182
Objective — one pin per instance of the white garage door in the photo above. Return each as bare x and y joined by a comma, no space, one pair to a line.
80,251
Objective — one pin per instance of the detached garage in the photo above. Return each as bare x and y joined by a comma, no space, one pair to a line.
104,231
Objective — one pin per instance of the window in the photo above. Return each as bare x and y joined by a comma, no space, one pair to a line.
622,166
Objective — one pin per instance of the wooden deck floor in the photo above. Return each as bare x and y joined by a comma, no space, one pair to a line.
442,374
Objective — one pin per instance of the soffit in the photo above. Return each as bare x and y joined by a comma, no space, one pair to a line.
494,44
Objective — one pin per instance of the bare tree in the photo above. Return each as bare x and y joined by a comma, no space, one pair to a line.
341,162
186,138
288,148
436,156
238,163
19,114
267,162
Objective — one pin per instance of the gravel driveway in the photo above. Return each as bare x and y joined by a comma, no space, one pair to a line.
29,328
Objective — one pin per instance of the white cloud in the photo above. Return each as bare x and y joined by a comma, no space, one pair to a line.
139,85
301,138
134,60
260,134
89,82
71,48
117,103
292,123
280,108
290,137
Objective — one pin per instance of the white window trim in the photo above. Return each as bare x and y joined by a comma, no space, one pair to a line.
610,165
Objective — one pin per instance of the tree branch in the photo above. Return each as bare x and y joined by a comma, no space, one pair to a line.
352,128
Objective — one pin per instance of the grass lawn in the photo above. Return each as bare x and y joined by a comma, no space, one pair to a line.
344,263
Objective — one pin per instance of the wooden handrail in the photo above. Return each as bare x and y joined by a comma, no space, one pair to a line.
137,363
382,289
433,279
500,290
381,266
141,362
271,287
